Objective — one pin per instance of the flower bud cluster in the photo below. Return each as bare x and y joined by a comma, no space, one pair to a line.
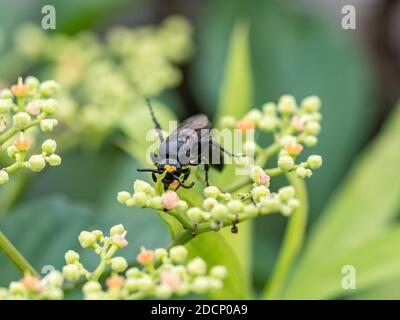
28,104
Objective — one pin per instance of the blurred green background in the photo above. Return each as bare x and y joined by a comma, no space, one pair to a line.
296,47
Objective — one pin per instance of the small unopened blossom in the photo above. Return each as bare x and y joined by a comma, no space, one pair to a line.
313,127
245,125
3,124
287,105
87,239
197,267
311,104
285,163
37,163
314,161
298,123
54,160
170,279
22,144
258,175
115,281
31,283
118,264
170,200
294,148
145,256
20,89
123,196
178,254
119,240
33,108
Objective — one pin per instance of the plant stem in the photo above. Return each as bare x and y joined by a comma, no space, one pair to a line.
292,242
15,256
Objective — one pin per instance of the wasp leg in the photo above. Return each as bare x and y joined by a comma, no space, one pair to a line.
153,175
186,173
206,168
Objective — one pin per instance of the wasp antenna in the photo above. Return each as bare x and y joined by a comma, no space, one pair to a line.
150,170
156,123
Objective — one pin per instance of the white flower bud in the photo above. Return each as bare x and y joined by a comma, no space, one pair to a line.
311,104
87,239
294,203
47,125
32,82
133,273
4,177
286,193
271,204
48,88
211,192
54,160
285,163
123,197
303,172
235,206
197,267
254,115
286,210
160,254
310,141
71,257
140,199
145,283
17,288
218,272
117,229
118,264
21,120
37,163
194,214
54,279
228,122
6,105
260,192
313,127
71,272
163,291
287,105
268,123
219,211
200,285
49,146
314,161
181,206
269,108
178,254
249,147
49,106
6,94
91,286
209,203
143,186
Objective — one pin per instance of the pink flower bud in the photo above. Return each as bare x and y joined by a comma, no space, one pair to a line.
120,240
294,148
264,178
31,283
298,123
170,279
170,200
145,256
115,281
33,108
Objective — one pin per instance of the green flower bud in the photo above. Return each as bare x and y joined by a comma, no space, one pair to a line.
286,210
206,215
91,286
209,203
303,172
123,197
54,279
37,163
218,272
194,214
21,120
314,161
142,186
178,254
271,204
155,202
17,288
118,229
254,115
87,239
160,254
49,146
219,211
310,141
133,273
32,83
311,104
54,160
294,203
118,264
182,206
287,105
140,199
145,283
211,192
215,225
200,285
268,123
3,177
235,206
285,163
260,192
48,125
313,127
228,122
269,108
6,105
6,94
197,267
12,151
48,88
71,272
163,291
49,106
71,257
286,193
98,234
53,294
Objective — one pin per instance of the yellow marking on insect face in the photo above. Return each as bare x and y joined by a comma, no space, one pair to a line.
169,168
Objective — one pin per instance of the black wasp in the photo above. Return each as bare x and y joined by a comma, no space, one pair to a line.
189,145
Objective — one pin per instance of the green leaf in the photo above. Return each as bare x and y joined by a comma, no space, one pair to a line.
236,92
215,249
358,214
